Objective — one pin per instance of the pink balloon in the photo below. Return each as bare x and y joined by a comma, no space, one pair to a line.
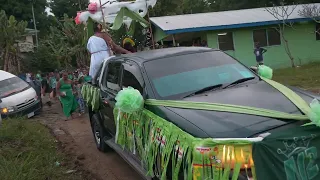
77,18
93,8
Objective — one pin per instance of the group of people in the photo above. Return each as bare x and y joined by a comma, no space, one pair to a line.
64,86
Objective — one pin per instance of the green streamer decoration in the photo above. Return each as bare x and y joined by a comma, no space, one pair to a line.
157,140
129,100
314,115
265,71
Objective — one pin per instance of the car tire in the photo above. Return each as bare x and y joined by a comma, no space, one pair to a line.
99,134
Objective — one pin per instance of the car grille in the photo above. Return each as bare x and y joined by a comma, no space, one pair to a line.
25,104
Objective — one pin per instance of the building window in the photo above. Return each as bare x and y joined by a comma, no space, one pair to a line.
273,37
226,41
317,31
266,37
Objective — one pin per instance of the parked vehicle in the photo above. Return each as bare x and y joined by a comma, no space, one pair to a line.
190,74
18,98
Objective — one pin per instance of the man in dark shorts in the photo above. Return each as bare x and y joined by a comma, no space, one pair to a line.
45,88
53,83
258,52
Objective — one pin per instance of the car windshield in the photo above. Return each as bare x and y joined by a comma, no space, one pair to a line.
12,86
177,76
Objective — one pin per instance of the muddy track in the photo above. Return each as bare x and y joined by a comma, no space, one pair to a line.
76,141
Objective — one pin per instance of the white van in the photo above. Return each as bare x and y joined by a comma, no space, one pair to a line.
17,97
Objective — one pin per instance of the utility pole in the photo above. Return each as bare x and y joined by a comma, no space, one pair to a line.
35,26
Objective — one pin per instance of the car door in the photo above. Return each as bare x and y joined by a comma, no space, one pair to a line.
131,76
109,88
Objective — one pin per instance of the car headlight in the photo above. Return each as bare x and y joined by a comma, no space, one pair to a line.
7,110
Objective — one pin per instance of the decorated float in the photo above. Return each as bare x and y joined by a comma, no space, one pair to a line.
290,154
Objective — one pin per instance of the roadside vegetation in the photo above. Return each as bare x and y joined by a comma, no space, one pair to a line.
306,77
28,151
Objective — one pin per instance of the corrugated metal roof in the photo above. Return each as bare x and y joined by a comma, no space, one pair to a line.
222,20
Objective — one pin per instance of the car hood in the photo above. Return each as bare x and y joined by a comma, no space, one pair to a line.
233,125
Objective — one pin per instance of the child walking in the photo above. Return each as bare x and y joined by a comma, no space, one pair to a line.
78,86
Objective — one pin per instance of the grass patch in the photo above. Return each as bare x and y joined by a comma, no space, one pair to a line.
28,152
306,76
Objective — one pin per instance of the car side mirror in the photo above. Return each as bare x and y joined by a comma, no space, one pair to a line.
0,101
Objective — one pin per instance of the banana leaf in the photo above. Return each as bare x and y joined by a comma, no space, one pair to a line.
125,12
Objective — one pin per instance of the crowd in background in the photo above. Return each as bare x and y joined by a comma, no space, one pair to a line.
60,86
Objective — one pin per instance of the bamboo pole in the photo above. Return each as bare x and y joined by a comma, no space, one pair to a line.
104,25
150,27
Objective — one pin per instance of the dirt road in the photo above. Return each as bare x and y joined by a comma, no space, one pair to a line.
77,142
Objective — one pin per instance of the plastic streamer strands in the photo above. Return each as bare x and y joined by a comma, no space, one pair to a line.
156,140
225,108
91,95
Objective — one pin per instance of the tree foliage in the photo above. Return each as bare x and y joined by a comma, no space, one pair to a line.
22,10
11,31
66,42
69,7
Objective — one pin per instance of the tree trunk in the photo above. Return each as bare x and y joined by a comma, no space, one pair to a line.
6,59
288,51
287,48
19,64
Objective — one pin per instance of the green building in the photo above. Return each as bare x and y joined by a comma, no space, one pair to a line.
236,33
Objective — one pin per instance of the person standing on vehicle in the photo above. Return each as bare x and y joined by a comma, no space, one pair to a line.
100,46
68,100
258,52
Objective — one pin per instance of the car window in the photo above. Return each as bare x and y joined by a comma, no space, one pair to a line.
113,76
12,86
129,79
174,77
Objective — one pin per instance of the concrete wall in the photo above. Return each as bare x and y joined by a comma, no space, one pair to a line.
302,42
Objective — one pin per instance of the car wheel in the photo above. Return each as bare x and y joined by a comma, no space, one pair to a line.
99,134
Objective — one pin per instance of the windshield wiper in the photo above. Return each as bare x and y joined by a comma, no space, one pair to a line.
209,88
238,82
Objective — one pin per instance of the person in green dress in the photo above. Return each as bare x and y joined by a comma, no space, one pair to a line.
67,98
70,76
86,77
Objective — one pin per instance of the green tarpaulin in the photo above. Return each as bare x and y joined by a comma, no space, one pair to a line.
291,154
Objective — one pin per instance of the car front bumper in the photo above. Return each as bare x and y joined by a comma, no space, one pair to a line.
33,108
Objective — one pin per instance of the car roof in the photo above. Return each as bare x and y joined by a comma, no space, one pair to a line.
5,75
143,56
